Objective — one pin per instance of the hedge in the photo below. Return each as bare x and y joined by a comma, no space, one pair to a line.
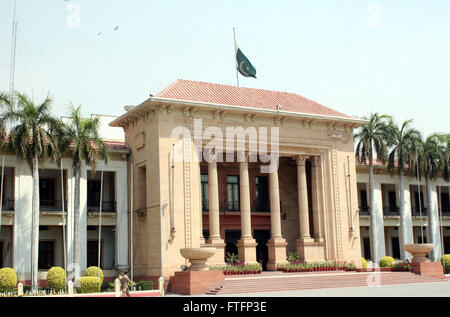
364,263
144,285
56,278
89,284
8,280
445,260
93,271
387,261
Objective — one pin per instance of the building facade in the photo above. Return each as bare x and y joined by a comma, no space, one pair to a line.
220,196
56,186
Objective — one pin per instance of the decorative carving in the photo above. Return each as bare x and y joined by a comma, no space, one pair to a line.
315,161
242,157
300,160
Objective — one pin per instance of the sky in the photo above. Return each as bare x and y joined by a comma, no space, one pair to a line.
358,57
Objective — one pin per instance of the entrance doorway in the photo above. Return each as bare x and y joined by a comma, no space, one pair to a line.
262,252
231,239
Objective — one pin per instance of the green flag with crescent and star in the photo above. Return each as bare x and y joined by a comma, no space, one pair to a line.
243,65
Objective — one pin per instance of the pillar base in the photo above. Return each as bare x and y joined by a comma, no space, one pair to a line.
277,253
247,250
219,257
431,269
308,250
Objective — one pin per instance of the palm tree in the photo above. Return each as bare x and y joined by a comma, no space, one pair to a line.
372,138
85,145
431,159
403,142
30,140
4,101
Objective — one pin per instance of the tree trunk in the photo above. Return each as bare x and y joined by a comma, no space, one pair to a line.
403,221
373,219
35,227
77,216
432,222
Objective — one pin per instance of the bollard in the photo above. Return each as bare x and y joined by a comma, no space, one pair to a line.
70,288
20,289
117,289
161,285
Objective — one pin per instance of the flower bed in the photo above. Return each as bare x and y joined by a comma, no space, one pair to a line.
238,268
315,267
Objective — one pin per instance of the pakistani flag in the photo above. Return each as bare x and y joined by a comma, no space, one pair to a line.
244,66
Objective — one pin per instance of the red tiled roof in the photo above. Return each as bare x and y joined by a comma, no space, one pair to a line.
246,97
116,146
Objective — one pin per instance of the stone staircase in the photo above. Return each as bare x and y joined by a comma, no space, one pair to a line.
279,281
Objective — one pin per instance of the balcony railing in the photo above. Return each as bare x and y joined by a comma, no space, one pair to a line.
229,206
52,205
8,205
391,211
205,205
416,211
364,210
107,206
260,206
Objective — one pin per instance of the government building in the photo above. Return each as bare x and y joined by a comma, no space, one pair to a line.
247,171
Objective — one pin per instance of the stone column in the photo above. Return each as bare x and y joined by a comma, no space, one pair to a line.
303,209
276,244
214,218
316,198
246,245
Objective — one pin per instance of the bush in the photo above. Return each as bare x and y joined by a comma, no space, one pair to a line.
93,271
108,287
387,261
364,263
89,284
56,278
292,257
445,260
8,280
144,285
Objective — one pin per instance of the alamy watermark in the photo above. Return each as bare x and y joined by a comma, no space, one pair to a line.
262,146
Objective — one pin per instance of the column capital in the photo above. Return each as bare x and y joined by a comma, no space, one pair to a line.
315,161
210,155
242,157
301,160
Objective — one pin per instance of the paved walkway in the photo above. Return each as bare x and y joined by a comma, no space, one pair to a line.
433,289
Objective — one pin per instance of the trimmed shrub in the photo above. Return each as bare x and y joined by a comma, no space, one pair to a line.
56,278
387,261
144,285
8,280
364,263
445,261
93,271
89,284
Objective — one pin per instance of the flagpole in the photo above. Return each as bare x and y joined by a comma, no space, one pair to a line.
235,51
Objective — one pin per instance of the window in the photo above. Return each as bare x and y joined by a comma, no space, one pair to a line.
46,255
1,254
92,253
395,248
262,194
205,202
93,193
392,201
47,192
363,196
367,254
445,201
233,193
446,245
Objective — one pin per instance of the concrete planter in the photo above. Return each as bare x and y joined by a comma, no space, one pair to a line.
419,251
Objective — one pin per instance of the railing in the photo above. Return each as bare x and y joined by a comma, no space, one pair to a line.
52,205
229,206
416,211
391,211
364,211
205,205
107,206
8,205
260,206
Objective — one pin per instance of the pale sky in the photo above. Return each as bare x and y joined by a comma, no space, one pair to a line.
356,57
